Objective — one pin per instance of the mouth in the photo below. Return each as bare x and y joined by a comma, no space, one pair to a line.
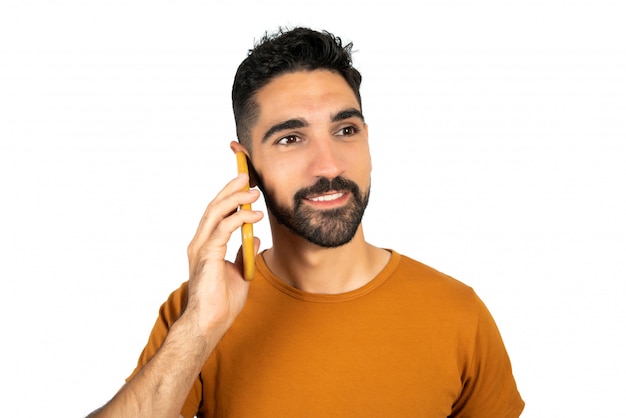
327,197
328,200
327,194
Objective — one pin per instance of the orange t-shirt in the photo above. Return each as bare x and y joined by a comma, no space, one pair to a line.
413,342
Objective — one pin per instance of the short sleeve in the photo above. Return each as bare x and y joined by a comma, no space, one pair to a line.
168,313
489,388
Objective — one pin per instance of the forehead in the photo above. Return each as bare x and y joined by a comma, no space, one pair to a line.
303,93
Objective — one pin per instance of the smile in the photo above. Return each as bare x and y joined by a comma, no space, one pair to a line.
327,198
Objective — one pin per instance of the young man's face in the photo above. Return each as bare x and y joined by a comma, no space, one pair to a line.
311,153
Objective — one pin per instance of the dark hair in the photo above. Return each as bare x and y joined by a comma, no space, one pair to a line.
283,52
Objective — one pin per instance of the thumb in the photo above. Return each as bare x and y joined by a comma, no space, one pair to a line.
239,262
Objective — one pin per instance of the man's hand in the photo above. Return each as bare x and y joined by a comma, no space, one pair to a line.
217,293
217,290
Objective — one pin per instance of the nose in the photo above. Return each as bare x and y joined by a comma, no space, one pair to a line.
325,158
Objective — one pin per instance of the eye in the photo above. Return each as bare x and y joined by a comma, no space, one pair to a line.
287,140
348,131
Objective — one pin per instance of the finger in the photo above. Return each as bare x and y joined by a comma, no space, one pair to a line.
226,215
232,187
236,184
224,230
223,206
214,246
239,257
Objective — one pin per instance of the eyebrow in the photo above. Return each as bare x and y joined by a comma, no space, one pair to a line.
347,114
301,123
281,126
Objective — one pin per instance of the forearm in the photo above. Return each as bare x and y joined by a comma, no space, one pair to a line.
162,385
217,293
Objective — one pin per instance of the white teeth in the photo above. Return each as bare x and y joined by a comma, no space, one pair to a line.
327,198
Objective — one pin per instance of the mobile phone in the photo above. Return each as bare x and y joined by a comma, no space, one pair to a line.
247,234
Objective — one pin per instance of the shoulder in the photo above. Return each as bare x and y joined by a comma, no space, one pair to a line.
429,278
432,293
172,308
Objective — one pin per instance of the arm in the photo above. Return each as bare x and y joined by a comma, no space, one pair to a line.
216,295
489,388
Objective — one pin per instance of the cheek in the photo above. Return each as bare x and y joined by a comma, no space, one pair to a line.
365,168
364,175
279,185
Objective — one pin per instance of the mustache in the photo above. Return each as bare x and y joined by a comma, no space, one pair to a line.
325,185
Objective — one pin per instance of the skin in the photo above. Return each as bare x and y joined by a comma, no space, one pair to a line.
287,160
292,158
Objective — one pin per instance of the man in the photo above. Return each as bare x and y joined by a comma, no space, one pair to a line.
332,326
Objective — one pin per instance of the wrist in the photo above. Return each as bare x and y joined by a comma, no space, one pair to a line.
206,329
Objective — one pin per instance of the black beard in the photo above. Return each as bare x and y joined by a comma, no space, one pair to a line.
329,228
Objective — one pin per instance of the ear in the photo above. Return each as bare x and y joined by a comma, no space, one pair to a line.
366,131
237,147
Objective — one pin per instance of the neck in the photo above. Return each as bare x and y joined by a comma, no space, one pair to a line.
315,269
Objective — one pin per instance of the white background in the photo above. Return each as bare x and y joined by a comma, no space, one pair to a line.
497,132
